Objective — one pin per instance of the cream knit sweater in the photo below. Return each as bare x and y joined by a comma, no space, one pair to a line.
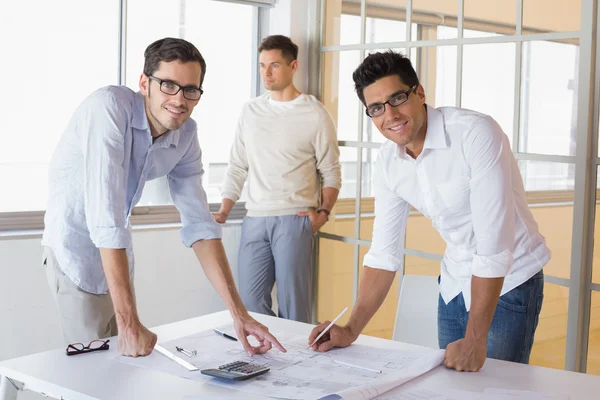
286,154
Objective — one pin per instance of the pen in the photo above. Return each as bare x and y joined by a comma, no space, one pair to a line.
377,371
225,335
328,327
188,353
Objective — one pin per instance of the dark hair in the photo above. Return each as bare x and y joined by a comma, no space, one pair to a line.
380,65
289,50
171,49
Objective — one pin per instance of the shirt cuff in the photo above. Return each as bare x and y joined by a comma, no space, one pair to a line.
493,266
200,231
382,261
332,184
111,238
231,196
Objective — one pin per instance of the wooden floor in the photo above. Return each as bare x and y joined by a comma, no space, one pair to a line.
336,277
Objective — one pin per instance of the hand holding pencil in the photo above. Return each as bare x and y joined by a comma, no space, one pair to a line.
327,335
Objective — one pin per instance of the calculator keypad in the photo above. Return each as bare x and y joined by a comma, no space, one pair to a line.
242,367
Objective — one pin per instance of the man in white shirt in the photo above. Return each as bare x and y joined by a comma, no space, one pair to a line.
286,147
456,167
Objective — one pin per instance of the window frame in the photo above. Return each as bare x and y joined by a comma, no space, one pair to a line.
160,214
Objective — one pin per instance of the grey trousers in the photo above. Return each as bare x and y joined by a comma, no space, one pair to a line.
83,316
277,249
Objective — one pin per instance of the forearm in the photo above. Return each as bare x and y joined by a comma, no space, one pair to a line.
484,299
226,206
329,196
116,270
211,255
374,287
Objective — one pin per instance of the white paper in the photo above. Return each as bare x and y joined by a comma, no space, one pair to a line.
299,373
430,394
427,393
497,394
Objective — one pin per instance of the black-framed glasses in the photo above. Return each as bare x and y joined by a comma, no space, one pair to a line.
94,345
171,88
399,98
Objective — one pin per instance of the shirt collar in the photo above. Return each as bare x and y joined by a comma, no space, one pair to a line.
435,137
140,120
169,139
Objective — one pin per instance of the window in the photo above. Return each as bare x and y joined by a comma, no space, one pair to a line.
55,57
79,52
228,82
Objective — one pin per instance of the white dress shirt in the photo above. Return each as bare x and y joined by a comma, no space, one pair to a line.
466,180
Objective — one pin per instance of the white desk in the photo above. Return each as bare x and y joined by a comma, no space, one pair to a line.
97,376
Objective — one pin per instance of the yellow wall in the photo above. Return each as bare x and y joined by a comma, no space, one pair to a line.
336,280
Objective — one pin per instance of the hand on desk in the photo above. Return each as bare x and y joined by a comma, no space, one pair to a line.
465,355
136,340
245,326
337,336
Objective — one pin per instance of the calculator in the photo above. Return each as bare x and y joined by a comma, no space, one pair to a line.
237,371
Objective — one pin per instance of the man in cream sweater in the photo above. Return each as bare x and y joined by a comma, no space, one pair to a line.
286,149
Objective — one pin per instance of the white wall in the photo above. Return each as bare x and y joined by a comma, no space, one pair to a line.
170,286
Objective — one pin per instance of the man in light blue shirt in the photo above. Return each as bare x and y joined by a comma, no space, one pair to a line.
116,141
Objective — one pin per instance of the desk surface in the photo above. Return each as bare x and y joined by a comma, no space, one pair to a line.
98,376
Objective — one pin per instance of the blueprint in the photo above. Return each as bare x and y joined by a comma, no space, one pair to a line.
299,373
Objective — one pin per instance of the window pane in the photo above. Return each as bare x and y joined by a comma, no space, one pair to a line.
339,96
348,162
369,158
481,19
341,23
550,336
438,75
367,215
441,14
542,175
488,82
217,112
75,55
540,16
381,30
382,323
335,280
549,92
593,360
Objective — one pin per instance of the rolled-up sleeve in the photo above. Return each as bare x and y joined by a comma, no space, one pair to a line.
327,152
488,154
103,121
185,184
389,227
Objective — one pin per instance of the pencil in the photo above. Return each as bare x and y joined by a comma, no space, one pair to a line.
328,327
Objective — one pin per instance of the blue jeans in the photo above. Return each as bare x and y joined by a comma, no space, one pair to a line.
510,337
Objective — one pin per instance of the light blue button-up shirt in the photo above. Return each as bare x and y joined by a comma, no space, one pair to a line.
97,174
